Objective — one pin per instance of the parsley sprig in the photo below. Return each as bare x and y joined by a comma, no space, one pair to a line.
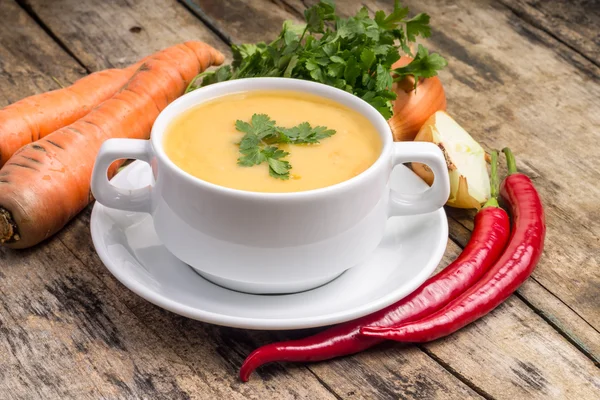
261,136
353,54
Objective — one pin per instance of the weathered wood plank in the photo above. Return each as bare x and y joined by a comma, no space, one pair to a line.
393,371
529,104
521,357
62,337
499,81
117,33
33,70
543,302
193,347
63,333
189,340
61,31
574,23
66,335
247,21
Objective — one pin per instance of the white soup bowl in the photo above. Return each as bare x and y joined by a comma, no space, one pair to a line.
269,242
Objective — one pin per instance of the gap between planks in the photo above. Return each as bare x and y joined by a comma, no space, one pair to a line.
455,373
205,19
29,10
197,11
214,26
225,38
324,384
531,21
579,346
208,22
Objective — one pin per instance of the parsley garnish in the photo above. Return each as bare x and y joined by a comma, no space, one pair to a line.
353,54
261,136
424,65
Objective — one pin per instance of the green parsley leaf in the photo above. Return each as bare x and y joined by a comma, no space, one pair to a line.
380,18
251,154
321,132
316,16
289,25
418,25
261,136
350,28
383,80
352,71
391,21
424,65
317,75
261,126
209,77
336,70
367,57
304,133
290,67
242,51
279,168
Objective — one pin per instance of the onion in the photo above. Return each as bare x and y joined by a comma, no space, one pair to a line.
413,107
466,160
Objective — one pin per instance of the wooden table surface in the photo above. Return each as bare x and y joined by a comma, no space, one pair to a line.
523,73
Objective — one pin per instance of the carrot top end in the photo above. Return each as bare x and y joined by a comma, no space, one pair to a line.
8,228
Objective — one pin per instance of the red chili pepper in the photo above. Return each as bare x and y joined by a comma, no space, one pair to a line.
512,269
489,238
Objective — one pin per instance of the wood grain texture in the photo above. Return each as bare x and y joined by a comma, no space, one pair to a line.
574,328
247,21
64,333
171,356
528,103
573,22
104,34
475,75
521,357
68,334
33,71
68,329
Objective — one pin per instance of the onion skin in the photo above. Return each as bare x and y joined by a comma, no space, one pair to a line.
413,107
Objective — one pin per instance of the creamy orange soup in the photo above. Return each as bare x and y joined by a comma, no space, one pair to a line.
204,142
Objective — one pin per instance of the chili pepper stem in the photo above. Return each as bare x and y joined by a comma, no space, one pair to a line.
510,161
494,184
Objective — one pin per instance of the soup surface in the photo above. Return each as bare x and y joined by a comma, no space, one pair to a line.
204,141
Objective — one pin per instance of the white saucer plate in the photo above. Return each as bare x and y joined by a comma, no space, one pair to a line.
408,254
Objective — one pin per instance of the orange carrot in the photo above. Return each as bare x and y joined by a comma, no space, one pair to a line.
36,116
47,183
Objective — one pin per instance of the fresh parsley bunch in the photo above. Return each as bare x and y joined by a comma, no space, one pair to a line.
353,54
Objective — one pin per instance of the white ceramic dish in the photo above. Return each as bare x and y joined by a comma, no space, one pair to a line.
239,238
411,249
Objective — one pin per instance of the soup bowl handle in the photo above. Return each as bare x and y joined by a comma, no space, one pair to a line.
432,198
107,194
